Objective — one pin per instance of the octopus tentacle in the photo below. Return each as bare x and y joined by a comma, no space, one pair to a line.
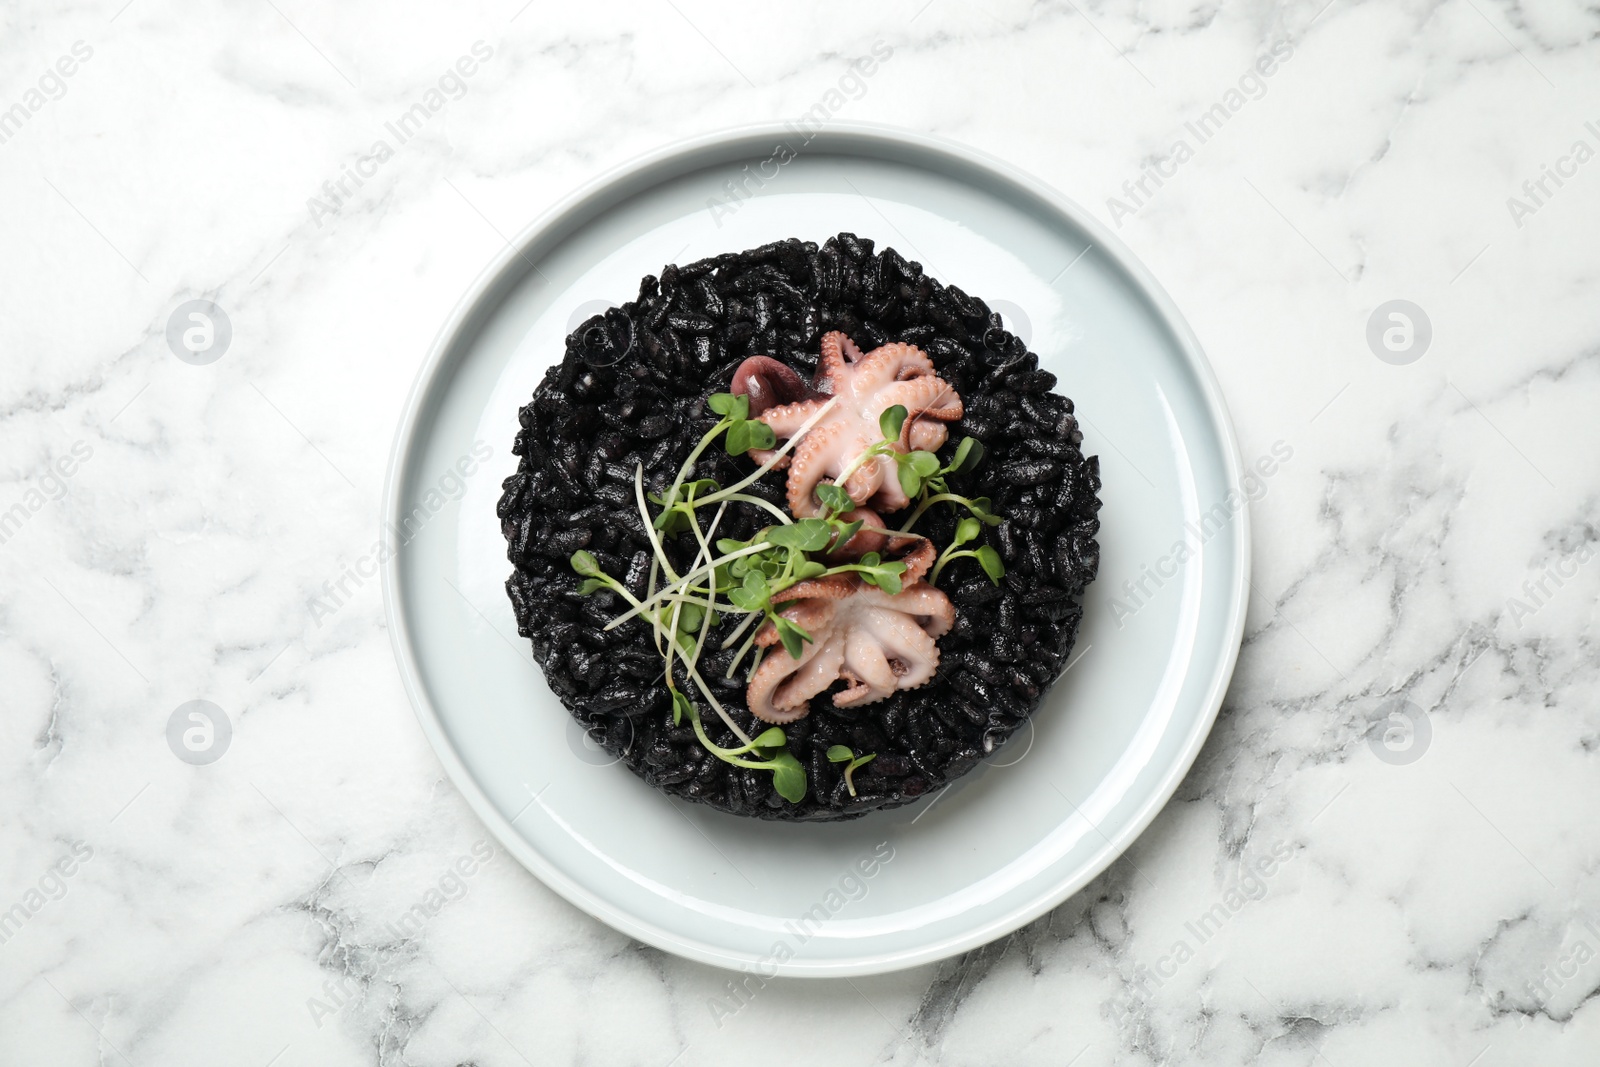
781,689
768,383
930,607
865,385
870,676
917,562
864,540
875,642
930,397
898,360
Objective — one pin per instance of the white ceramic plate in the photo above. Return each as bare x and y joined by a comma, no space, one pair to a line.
1001,846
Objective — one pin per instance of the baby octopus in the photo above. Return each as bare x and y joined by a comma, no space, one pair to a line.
875,642
866,385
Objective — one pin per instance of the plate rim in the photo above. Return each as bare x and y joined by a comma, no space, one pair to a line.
501,273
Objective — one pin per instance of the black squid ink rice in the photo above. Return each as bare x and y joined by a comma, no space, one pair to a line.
632,391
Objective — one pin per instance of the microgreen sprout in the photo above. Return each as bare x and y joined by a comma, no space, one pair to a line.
735,412
921,474
841,754
934,489
788,777
967,530
729,577
744,433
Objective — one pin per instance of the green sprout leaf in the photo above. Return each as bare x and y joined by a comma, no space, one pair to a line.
726,545
891,420
969,453
841,754
926,464
910,480
700,487
807,535
761,435
792,636
871,559
726,404
589,585
810,569
585,564
888,577
847,530
756,583
771,738
788,777
967,530
690,616
834,498
738,439
680,708
989,560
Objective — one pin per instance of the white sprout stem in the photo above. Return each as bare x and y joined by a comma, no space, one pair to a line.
622,591
926,504
650,594
692,667
788,445
742,650
745,498
672,639
711,595
856,464
649,523
892,533
740,630
688,464
671,633
698,596
711,566
711,699
754,663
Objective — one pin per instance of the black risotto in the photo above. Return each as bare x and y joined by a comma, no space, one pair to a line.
632,389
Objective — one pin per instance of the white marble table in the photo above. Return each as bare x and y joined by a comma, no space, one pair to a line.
1434,893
